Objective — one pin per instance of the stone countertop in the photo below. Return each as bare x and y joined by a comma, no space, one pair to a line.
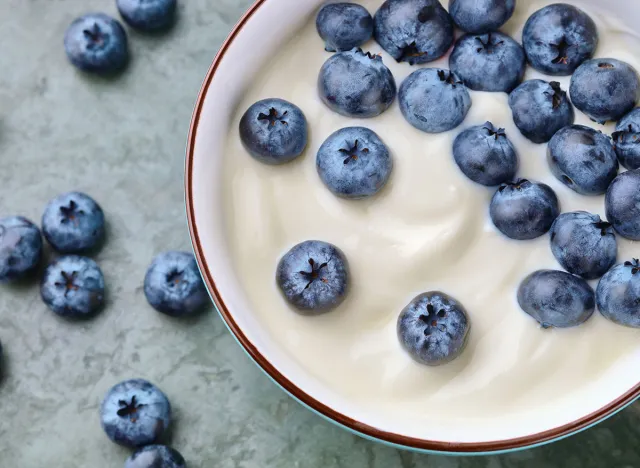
122,140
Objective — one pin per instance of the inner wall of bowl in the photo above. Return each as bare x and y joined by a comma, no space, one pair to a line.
247,54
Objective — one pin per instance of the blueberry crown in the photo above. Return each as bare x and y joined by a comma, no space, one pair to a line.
634,264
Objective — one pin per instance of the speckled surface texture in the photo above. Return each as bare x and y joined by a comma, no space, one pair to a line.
122,140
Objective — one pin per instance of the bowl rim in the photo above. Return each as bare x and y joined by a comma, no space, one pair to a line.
308,400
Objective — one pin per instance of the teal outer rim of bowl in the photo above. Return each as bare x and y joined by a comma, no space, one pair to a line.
341,420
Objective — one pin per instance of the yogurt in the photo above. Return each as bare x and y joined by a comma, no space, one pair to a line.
428,229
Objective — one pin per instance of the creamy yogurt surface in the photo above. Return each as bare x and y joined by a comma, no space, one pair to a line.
428,229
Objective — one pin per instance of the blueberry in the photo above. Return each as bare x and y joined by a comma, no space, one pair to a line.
433,328
135,413
540,109
314,277
485,155
344,26
173,284
524,210
558,38
413,31
73,287
97,43
490,62
622,204
481,17
584,244
274,131
156,456
148,15
604,89
354,163
583,159
556,299
20,247
626,140
356,84
73,223
618,294
433,100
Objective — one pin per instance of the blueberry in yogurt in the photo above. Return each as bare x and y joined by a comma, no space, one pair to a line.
622,204
540,109
556,299
413,31
583,159
73,223
354,163
488,62
314,277
356,84
481,17
274,131
20,247
135,413
97,43
605,89
584,244
156,456
344,26
618,294
433,328
626,140
485,155
558,38
434,100
524,209
148,15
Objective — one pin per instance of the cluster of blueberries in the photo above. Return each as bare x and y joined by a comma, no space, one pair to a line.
73,287
97,43
354,162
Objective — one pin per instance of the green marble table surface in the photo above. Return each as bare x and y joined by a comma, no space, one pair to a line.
123,141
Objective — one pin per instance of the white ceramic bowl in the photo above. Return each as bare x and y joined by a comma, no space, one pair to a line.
229,76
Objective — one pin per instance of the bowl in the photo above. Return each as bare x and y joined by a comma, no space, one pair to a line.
246,51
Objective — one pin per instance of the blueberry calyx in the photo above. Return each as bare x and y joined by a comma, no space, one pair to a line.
448,77
314,274
494,132
174,278
69,212
94,35
488,46
129,409
352,152
635,266
605,228
606,65
430,319
69,282
563,48
517,185
273,117
557,95
619,135
409,52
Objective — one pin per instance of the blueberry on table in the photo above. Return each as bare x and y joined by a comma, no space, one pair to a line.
434,100
540,109
626,140
524,210
135,413
558,38
413,31
556,299
583,159
156,456
356,84
274,131
148,15
314,277
622,204
584,244
20,247
97,43
604,89
482,17
73,223
354,163
433,328
73,287
173,284
485,155
618,294
344,26
489,62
